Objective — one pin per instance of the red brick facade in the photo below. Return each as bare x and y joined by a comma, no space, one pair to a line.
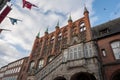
109,64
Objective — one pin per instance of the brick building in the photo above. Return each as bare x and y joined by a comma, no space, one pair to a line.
76,51
2,72
107,36
68,53
14,70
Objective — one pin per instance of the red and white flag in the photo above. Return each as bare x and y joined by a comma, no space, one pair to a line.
28,4
5,13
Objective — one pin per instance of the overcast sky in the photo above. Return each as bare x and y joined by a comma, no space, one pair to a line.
18,43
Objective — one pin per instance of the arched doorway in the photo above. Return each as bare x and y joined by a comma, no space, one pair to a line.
83,76
60,78
116,76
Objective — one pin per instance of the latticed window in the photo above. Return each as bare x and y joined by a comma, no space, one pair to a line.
116,49
41,63
75,53
71,54
80,51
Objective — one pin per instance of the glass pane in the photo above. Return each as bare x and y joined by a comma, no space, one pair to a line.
116,49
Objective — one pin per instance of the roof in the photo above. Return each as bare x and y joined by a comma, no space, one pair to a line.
106,29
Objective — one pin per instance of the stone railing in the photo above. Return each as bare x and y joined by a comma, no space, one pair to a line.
50,67
71,62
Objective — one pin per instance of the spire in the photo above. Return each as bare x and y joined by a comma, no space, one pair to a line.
57,26
70,19
58,23
38,35
85,10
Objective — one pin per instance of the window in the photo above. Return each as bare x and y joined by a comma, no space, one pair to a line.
82,27
50,58
103,52
52,39
60,36
31,65
104,31
41,63
65,56
74,52
19,69
116,49
80,51
71,54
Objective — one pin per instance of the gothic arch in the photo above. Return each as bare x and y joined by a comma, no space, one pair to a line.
83,76
50,58
116,75
59,78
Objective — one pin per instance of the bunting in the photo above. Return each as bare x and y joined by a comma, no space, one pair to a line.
4,13
13,20
28,4
4,30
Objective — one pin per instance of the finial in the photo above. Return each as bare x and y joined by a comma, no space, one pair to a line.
85,9
58,23
46,30
70,18
57,26
38,35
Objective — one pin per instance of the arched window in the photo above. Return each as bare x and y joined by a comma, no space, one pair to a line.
60,36
31,65
82,27
50,58
41,63
116,49
116,76
52,39
60,78
83,76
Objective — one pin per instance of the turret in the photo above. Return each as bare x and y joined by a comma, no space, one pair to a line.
57,26
86,12
46,32
87,23
38,35
69,20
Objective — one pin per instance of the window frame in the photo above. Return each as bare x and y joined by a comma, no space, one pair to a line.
41,61
118,48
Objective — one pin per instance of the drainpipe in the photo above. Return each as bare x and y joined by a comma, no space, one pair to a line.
99,62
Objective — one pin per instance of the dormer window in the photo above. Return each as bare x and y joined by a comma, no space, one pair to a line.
104,31
82,27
